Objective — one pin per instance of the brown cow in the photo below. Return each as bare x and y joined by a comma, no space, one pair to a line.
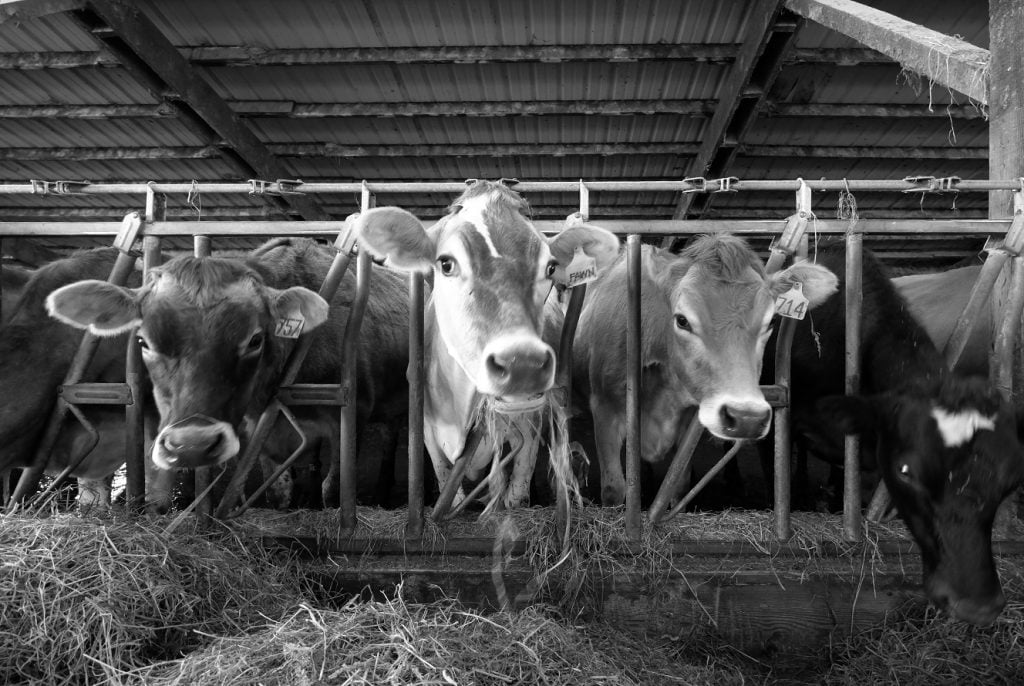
207,328
707,315
493,274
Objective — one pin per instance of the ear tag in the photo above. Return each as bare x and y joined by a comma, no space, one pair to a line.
582,269
792,303
290,327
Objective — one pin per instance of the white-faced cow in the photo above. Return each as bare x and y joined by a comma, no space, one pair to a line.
946,446
493,274
706,316
207,329
35,355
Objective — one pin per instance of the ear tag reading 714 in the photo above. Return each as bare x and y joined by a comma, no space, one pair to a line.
582,269
792,303
290,327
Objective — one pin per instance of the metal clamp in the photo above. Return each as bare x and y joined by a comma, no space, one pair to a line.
700,184
131,226
346,240
724,184
57,187
279,187
796,224
584,212
932,184
1013,243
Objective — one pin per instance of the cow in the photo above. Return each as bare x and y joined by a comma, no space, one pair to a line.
706,316
493,274
35,355
208,331
947,447
937,300
13,279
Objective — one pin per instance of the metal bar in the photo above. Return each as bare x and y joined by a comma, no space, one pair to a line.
76,461
233,491
281,468
782,480
851,465
1006,339
705,480
451,486
978,299
678,470
414,526
633,372
572,187
203,476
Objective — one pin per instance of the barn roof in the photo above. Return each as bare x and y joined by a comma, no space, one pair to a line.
445,90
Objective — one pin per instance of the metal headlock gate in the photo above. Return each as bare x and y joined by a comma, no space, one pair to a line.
152,226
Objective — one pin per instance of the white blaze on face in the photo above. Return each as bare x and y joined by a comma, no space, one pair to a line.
958,428
473,212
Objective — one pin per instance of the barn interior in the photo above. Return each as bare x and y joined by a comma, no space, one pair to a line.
101,97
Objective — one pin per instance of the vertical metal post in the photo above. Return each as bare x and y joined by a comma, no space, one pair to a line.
414,527
851,464
783,439
633,370
202,246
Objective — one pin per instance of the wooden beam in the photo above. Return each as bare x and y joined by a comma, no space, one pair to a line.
693,108
336,150
129,34
20,10
944,59
246,56
752,75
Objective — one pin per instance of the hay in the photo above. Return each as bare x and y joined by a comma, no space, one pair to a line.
921,646
441,643
83,599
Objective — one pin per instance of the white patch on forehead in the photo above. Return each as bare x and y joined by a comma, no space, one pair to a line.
473,212
958,428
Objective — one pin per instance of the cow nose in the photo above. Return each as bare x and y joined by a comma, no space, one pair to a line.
523,368
976,611
744,421
196,442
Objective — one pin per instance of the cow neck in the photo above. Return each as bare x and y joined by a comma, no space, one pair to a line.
451,394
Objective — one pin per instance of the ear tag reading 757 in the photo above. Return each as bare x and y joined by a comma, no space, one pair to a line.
290,327
792,303
582,269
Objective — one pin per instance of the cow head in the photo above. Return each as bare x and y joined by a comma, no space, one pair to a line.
206,327
949,456
493,270
721,303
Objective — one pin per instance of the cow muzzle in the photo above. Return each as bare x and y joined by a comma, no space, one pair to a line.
514,367
735,419
197,441
979,611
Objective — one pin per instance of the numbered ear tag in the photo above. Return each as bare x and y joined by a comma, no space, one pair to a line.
582,269
289,327
792,303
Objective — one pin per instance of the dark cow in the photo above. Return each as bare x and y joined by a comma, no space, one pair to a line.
937,300
35,355
947,447
706,316
13,279
207,328
493,275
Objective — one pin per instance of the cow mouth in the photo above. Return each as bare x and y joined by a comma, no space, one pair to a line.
519,404
197,441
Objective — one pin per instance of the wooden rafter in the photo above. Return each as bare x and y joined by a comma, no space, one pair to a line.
292,110
944,59
157,65
770,33
245,56
19,10
333,150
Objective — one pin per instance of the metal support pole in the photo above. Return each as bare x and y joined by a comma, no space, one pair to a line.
675,478
1006,340
633,372
783,438
414,527
202,246
851,465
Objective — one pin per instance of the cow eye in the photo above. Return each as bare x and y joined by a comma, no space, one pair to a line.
905,473
142,342
683,323
552,266
255,342
448,265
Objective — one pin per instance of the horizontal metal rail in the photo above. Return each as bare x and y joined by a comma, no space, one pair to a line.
679,186
660,227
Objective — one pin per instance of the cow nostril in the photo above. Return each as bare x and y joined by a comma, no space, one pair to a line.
548,361
727,418
495,366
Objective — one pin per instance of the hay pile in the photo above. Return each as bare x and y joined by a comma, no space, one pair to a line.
441,643
922,646
84,599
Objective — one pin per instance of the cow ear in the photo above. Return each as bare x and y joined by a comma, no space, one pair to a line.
597,243
393,233
818,282
851,414
665,268
301,303
102,308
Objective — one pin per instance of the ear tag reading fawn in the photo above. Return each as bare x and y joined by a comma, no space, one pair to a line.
289,327
792,303
582,269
